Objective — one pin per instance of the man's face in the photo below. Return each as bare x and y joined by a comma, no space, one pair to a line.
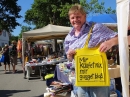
77,20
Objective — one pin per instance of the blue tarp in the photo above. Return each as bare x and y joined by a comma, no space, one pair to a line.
103,18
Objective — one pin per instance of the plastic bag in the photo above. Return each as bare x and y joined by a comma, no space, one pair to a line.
91,66
2,58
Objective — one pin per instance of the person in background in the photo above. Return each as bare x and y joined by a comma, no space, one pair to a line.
76,38
5,52
19,56
19,50
13,55
38,58
26,59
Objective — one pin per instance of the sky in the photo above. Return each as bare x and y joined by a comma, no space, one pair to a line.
26,5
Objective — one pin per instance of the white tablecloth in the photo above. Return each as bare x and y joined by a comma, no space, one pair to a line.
45,63
29,69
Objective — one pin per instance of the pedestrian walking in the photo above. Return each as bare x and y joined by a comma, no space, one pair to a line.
13,55
5,52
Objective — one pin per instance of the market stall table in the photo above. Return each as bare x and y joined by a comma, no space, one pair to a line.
28,66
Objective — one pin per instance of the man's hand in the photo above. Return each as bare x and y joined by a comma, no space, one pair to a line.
105,46
70,54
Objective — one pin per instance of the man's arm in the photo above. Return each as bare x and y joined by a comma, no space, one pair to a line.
113,41
106,45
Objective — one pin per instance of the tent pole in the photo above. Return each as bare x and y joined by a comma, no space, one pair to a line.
55,40
54,45
23,51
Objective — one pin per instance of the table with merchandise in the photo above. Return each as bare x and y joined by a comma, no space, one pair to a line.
65,72
32,64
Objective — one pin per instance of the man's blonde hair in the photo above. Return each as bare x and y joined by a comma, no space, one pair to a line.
76,8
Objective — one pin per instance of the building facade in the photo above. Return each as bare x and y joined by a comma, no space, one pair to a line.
4,38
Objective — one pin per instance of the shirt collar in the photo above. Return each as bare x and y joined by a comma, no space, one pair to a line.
84,25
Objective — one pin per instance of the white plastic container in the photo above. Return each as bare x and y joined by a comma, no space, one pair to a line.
113,95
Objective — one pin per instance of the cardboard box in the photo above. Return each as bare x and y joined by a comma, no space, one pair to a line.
111,62
114,71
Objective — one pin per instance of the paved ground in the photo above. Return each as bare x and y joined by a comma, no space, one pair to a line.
14,85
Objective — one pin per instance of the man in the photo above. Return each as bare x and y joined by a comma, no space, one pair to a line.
13,55
76,38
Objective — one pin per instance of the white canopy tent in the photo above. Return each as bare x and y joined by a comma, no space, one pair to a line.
47,42
43,42
48,32
123,20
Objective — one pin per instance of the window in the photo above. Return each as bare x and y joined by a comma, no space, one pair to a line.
4,33
2,44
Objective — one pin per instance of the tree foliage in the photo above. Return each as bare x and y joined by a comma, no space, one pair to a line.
24,29
13,38
45,12
9,12
96,7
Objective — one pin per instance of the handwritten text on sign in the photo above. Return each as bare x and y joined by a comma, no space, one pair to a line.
90,69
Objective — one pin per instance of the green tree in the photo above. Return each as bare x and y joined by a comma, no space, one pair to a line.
94,7
91,7
12,38
9,12
45,12
24,29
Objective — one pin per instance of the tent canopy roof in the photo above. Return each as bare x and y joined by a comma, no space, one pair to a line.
48,32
